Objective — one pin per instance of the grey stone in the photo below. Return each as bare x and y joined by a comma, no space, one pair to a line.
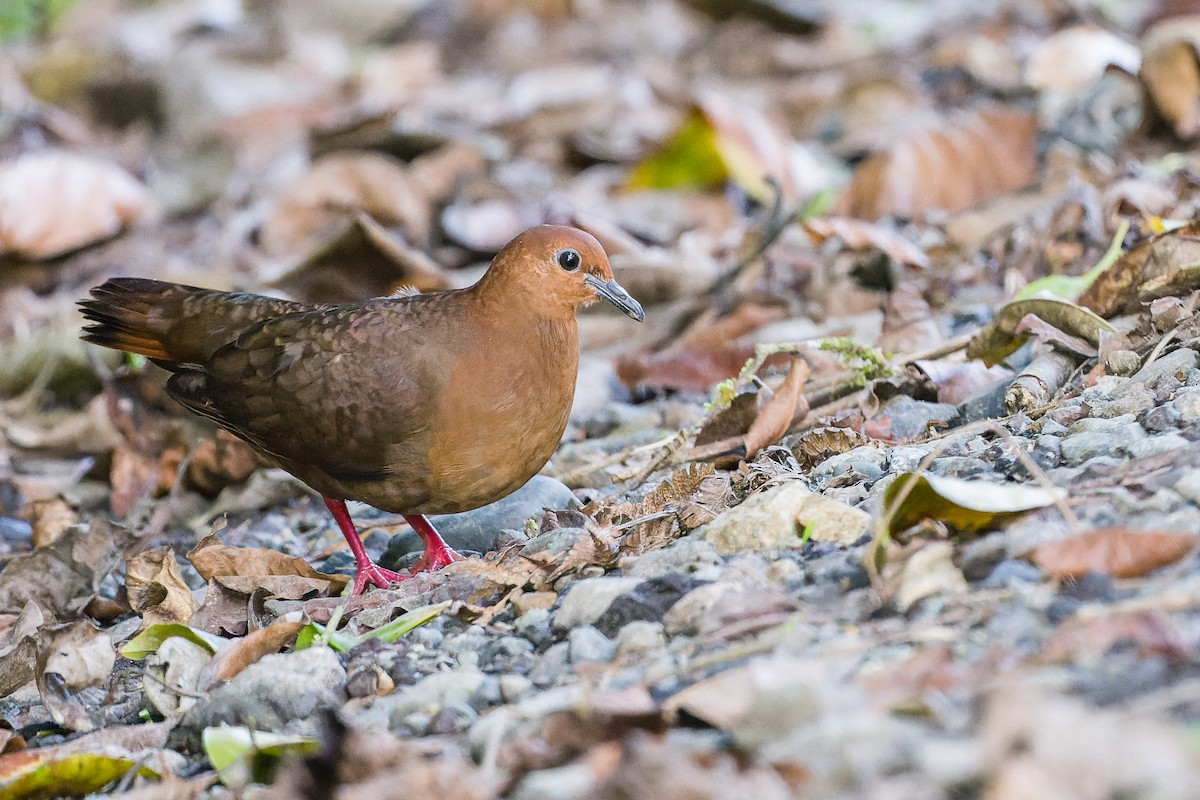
589,644
514,687
907,458
640,640
1163,418
1116,397
509,654
1177,362
1011,572
1188,485
689,613
1091,437
469,641
426,697
867,460
1159,443
277,689
477,530
1052,428
683,555
559,783
1187,404
551,665
534,624
586,600
959,466
649,600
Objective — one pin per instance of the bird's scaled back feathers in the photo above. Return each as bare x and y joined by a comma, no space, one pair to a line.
418,404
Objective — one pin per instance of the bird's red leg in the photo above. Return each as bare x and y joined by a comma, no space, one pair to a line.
368,571
437,553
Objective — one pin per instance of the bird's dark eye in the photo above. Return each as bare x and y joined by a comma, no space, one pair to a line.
569,260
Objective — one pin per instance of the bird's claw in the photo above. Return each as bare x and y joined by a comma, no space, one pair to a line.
372,574
434,558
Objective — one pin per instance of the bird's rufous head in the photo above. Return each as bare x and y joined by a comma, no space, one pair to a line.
557,269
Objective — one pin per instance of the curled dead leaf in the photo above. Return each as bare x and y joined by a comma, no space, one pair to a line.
156,587
73,666
1170,74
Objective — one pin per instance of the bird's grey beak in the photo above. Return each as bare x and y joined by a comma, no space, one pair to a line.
615,293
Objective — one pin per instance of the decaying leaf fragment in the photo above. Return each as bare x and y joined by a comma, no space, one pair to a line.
964,504
1119,288
361,262
86,764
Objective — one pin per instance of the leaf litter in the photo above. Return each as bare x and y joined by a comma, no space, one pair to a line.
808,524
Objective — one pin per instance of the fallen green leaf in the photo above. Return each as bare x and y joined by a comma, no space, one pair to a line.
242,756
149,640
963,504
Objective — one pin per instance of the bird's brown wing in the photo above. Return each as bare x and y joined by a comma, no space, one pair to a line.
344,393
172,323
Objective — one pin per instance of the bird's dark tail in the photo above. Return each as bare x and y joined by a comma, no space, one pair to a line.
122,316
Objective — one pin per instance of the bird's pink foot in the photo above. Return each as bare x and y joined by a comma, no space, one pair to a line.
368,573
371,574
437,553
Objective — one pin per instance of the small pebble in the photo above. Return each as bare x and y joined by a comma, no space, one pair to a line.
589,644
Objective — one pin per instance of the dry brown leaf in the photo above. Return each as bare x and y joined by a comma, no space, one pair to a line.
775,415
958,382
215,560
511,571
706,354
219,462
966,160
859,234
58,576
364,261
1120,552
49,518
19,652
316,209
224,612
134,475
86,764
909,325
156,588
241,653
53,202
1073,59
590,550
